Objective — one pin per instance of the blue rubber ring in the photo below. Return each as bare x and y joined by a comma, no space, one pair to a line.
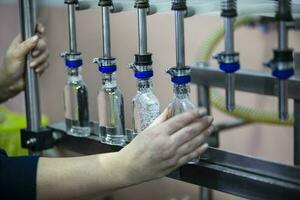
73,64
283,74
180,80
107,69
143,75
230,68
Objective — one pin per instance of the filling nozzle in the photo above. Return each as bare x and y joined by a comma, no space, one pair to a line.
142,66
282,63
73,58
229,59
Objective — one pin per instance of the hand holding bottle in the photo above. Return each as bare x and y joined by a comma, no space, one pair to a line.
166,145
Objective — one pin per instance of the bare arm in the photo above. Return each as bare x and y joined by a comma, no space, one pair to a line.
152,154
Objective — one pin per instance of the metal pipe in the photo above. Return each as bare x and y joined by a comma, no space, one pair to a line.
106,32
27,11
203,97
72,28
142,21
283,36
283,99
282,94
230,91
229,35
180,46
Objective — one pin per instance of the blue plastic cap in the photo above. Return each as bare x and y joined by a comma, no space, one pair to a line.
143,75
73,64
180,80
230,68
107,69
283,74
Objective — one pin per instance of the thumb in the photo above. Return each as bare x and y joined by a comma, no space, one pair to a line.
25,47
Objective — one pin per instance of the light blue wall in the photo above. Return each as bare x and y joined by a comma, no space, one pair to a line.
47,2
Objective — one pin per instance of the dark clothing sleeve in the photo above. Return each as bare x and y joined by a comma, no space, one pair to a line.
17,177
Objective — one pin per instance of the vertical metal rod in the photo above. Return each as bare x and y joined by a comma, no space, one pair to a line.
282,93
283,99
180,46
72,28
203,98
230,91
297,132
229,35
106,32
283,36
27,11
142,21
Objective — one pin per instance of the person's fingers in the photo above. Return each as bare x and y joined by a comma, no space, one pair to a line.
179,121
42,67
193,144
195,154
40,28
187,133
17,86
25,47
39,60
40,47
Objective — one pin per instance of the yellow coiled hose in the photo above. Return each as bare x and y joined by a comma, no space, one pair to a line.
243,112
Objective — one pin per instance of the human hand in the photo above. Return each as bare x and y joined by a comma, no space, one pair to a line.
14,60
166,145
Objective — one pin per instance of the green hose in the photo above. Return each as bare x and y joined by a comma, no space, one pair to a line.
218,101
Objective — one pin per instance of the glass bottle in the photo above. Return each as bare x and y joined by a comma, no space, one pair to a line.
181,101
180,104
76,105
111,111
145,106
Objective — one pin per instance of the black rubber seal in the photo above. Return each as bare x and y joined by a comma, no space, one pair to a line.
143,60
284,10
229,13
71,1
283,55
104,3
142,4
179,6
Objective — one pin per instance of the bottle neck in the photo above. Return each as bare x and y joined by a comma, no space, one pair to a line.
72,72
182,91
144,85
109,80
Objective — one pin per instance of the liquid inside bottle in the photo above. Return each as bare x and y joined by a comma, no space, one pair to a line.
76,105
111,112
145,106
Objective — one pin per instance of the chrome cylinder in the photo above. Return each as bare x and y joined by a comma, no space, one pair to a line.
72,28
142,24
180,45
106,32
27,11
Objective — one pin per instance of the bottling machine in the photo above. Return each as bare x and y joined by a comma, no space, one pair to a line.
217,169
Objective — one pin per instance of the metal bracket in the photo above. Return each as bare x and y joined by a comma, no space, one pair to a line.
37,141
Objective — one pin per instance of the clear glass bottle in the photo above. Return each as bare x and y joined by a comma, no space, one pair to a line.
145,106
76,105
181,101
180,104
111,111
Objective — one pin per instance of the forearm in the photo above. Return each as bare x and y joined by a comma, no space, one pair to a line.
5,92
82,177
